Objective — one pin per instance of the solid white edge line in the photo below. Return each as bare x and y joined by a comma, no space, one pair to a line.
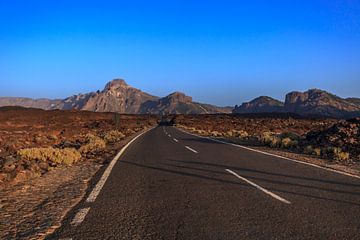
95,192
274,155
175,140
189,148
80,216
277,197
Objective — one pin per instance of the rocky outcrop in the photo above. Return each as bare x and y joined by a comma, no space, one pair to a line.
315,102
261,104
75,102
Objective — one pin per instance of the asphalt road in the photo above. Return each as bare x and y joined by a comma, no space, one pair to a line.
172,185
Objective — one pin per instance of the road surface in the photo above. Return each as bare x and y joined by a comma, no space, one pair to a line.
172,185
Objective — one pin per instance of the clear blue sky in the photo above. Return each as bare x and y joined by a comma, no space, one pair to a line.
220,52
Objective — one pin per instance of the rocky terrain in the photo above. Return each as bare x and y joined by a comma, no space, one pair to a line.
118,96
47,159
31,138
334,141
312,103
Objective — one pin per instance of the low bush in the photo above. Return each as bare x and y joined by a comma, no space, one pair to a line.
229,134
93,144
290,135
270,139
216,134
317,152
340,155
66,156
114,136
309,150
240,133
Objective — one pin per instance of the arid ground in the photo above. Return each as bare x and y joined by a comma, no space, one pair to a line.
47,159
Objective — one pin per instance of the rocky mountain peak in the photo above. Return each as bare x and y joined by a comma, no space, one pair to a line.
260,104
178,97
116,84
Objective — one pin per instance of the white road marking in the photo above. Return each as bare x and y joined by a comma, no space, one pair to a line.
169,135
95,192
259,187
274,155
189,148
80,216
175,140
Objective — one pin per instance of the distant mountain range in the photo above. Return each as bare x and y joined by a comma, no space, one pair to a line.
312,103
118,96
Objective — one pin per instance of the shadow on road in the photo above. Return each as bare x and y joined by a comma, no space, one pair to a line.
184,173
269,173
200,140
273,181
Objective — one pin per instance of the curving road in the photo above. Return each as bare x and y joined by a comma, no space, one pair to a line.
172,185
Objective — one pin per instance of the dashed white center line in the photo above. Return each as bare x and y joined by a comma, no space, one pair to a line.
80,216
169,135
175,140
189,148
259,187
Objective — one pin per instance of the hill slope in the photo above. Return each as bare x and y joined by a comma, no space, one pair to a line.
261,104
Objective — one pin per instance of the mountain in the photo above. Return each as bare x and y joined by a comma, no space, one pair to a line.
118,96
261,104
315,102
312,103
42,103
179,103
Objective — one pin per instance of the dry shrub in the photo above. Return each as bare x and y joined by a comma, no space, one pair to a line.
288,143
290,135
310,150
200,131
317,152
240,133
336,154
270,139
114,136
66,156
215,134
93,144
229,133
340,155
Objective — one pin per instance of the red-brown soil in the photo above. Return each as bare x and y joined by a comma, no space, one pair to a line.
35,195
